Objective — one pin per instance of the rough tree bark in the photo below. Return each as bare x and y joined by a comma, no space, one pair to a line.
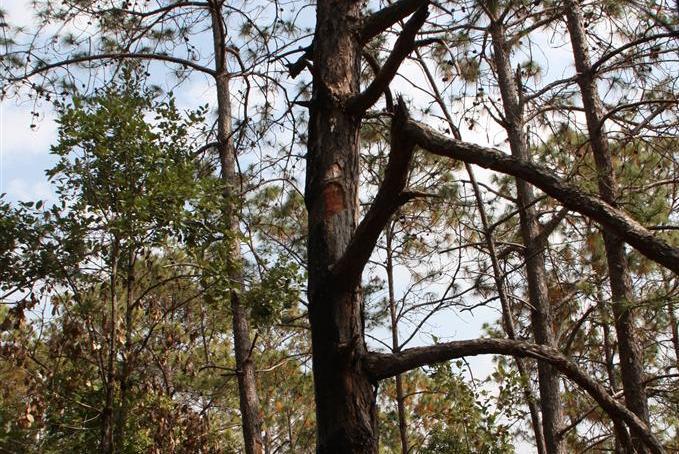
538,295
345,400
345,404
631,355
338,249
245,368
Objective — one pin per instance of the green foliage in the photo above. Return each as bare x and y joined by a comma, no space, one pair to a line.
275,294
118,169
469,426
445,415
23,257
109,262
119,294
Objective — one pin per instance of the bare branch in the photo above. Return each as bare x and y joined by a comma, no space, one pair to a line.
390,196
294,69
403,46
111,56
376,69
378,22
569,195
385,365
596,65
373,25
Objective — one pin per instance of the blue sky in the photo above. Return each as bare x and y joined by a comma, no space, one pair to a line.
24,153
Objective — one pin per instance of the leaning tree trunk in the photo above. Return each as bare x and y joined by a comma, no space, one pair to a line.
631,359
541,314
245,369
345,397
508,317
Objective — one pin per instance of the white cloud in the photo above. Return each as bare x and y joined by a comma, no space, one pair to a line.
19,12
24,152
18,139
196,92
20,189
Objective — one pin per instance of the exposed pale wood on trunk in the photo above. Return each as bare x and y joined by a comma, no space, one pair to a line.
345,401
345,374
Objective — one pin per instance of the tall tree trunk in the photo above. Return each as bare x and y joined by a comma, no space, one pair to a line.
400,398
245,369
247,385
121,414
631,358
622,440
541,314
106,445
344,395
507,316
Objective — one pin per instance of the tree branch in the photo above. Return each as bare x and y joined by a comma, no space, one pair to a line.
403,46
376,69
385,365
599,63
569,195
372,26
548,228
112,56
294,69
381,20
347,271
